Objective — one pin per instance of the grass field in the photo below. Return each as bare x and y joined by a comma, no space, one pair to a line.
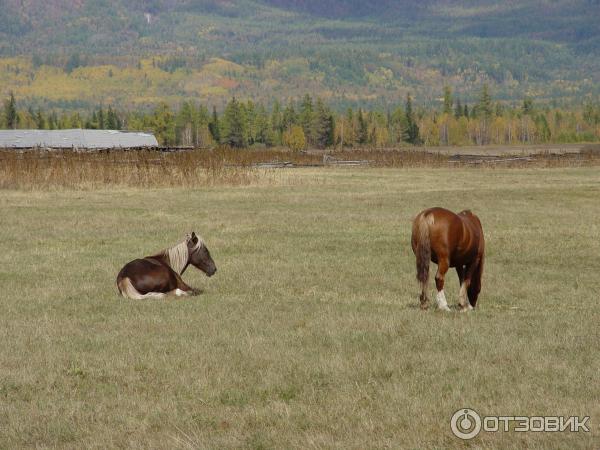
309,335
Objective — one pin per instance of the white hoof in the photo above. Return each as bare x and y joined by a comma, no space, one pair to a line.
180,293
444,308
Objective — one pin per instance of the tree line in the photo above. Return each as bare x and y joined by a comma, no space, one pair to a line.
310,122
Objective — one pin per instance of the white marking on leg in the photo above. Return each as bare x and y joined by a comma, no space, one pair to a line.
180,293
462,297
441,301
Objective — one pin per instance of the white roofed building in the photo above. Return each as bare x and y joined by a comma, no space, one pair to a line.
75,139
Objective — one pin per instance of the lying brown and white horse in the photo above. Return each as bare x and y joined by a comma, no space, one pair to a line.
158,275
449,240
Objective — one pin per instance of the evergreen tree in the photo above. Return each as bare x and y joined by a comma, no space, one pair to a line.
484,106
40,122
213,126
30,117
323,125
499,109
330,127
289,117
348,135
101,121
388,119
94,121
76,121
484,110
52,121
234,125
363,128
373,135
112,121
398,128
447,100
543,128
305,118
261,126
201,118
411,125
11,117
458,110
249,114
276,124
73,63
527,106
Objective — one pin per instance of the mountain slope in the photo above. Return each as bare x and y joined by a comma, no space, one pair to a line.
348,50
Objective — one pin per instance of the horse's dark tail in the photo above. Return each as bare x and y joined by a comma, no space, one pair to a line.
475,285
423,248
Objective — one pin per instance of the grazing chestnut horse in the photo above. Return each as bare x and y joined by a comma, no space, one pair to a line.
159,275
449,240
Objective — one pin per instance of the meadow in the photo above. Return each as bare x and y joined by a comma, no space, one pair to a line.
309,335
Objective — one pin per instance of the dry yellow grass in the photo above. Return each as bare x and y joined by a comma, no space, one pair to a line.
310,335
224,166
66,169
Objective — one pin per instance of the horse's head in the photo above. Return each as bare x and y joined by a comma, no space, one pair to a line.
199,256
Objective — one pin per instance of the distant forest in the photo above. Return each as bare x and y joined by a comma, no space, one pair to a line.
75,54
311,122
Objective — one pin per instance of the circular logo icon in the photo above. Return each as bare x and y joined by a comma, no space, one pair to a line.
465,423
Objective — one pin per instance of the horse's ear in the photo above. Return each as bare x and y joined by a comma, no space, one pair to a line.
194,238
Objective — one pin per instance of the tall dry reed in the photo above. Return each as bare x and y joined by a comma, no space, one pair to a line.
67,169
222,166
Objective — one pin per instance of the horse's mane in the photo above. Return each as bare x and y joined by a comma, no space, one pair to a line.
178,256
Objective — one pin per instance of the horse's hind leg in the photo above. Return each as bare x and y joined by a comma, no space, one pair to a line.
443,264
423,297
464,284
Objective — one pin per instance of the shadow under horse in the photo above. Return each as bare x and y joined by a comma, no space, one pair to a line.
159,275
449,240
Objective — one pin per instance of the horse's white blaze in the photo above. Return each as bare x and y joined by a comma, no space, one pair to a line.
441,301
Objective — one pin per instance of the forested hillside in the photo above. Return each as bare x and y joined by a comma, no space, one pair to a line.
71,54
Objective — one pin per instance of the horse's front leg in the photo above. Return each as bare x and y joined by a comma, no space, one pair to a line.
183,290
186,291
443,264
